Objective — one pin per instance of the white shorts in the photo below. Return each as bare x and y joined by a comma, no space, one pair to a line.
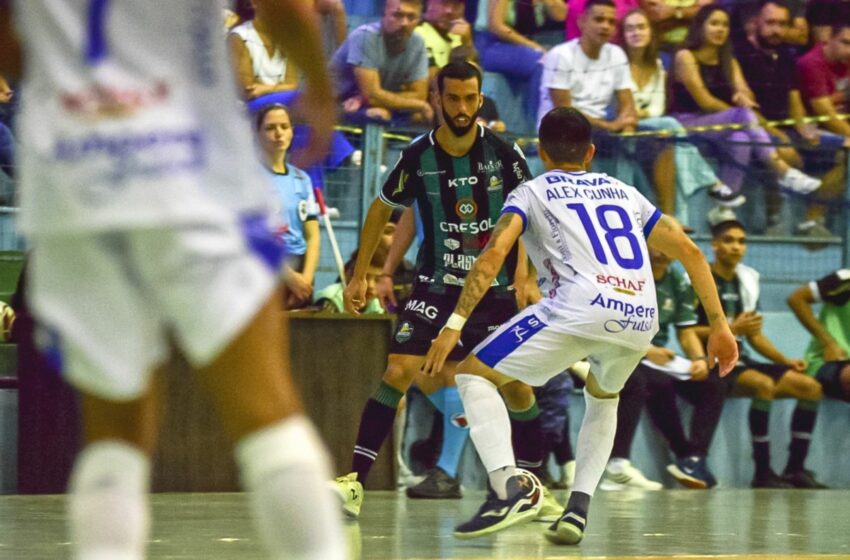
111,303
528,349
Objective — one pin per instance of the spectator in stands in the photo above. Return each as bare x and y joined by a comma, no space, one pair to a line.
382,69
592,74
780,377
672,18
656,381
745,16
769,65
260,66
505,49
823,15
708,88
828,354
622,7
824,78
330,298
650,95
443,29
297,215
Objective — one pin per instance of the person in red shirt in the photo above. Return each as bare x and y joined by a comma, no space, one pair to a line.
824,78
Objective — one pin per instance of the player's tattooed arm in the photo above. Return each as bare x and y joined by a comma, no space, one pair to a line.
489,262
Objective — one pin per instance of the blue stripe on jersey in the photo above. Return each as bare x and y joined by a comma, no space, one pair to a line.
647,229
509,340
515,210
96,48
261,240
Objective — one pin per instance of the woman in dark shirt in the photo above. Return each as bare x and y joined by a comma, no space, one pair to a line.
708,88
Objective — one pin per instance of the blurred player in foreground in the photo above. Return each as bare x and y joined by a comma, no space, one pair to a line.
147,213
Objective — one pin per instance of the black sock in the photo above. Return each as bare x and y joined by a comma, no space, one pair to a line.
802,426
759,419
376,423
576,510
527,438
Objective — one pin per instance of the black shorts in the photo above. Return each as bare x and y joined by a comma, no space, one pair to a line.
829,376
426,312
774,371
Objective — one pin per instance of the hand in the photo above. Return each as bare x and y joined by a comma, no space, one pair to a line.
354,295
742,99
810,133
318,111
747,323
299,288
461,27
698,370
386,292
832,352
427,113
440,349
796,365
352,104
660,356
722,347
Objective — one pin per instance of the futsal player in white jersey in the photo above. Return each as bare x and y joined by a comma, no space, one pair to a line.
587,235
146,212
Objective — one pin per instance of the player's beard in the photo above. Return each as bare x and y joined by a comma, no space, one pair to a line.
459,130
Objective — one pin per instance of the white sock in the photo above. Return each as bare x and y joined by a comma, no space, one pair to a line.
489,428
285,468
595,441
108,512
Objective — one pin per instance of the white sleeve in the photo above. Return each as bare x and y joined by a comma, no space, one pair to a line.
649,214
519,203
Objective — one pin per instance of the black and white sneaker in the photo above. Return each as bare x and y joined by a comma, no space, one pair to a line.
525,497
724,195
438,485
569,529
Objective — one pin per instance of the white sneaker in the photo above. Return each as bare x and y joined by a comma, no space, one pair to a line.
720,214
797,181
621,475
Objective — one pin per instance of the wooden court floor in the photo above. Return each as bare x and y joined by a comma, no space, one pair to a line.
686,525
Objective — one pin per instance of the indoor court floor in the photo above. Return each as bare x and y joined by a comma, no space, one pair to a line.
681,524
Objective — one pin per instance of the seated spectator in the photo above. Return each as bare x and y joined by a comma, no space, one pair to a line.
828,354
502,47
769,65
330,298
823,75
822,15
592,74
657,380
622,7
708,88
297,223
778,377
745,17
382,69
442,30
672,18
260,66
650,95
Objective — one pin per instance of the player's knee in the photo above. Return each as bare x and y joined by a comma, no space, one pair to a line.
468,383
517,395
398,376
812,389
596,390
290,443
762,386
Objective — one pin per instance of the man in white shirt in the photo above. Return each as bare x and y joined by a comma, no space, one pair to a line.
592,75
581,230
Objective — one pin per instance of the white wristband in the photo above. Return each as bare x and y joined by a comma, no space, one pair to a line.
455,322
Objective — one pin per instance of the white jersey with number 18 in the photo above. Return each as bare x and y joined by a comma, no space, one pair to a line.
129,117
586,235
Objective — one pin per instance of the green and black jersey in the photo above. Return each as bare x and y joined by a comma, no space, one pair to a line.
459,200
